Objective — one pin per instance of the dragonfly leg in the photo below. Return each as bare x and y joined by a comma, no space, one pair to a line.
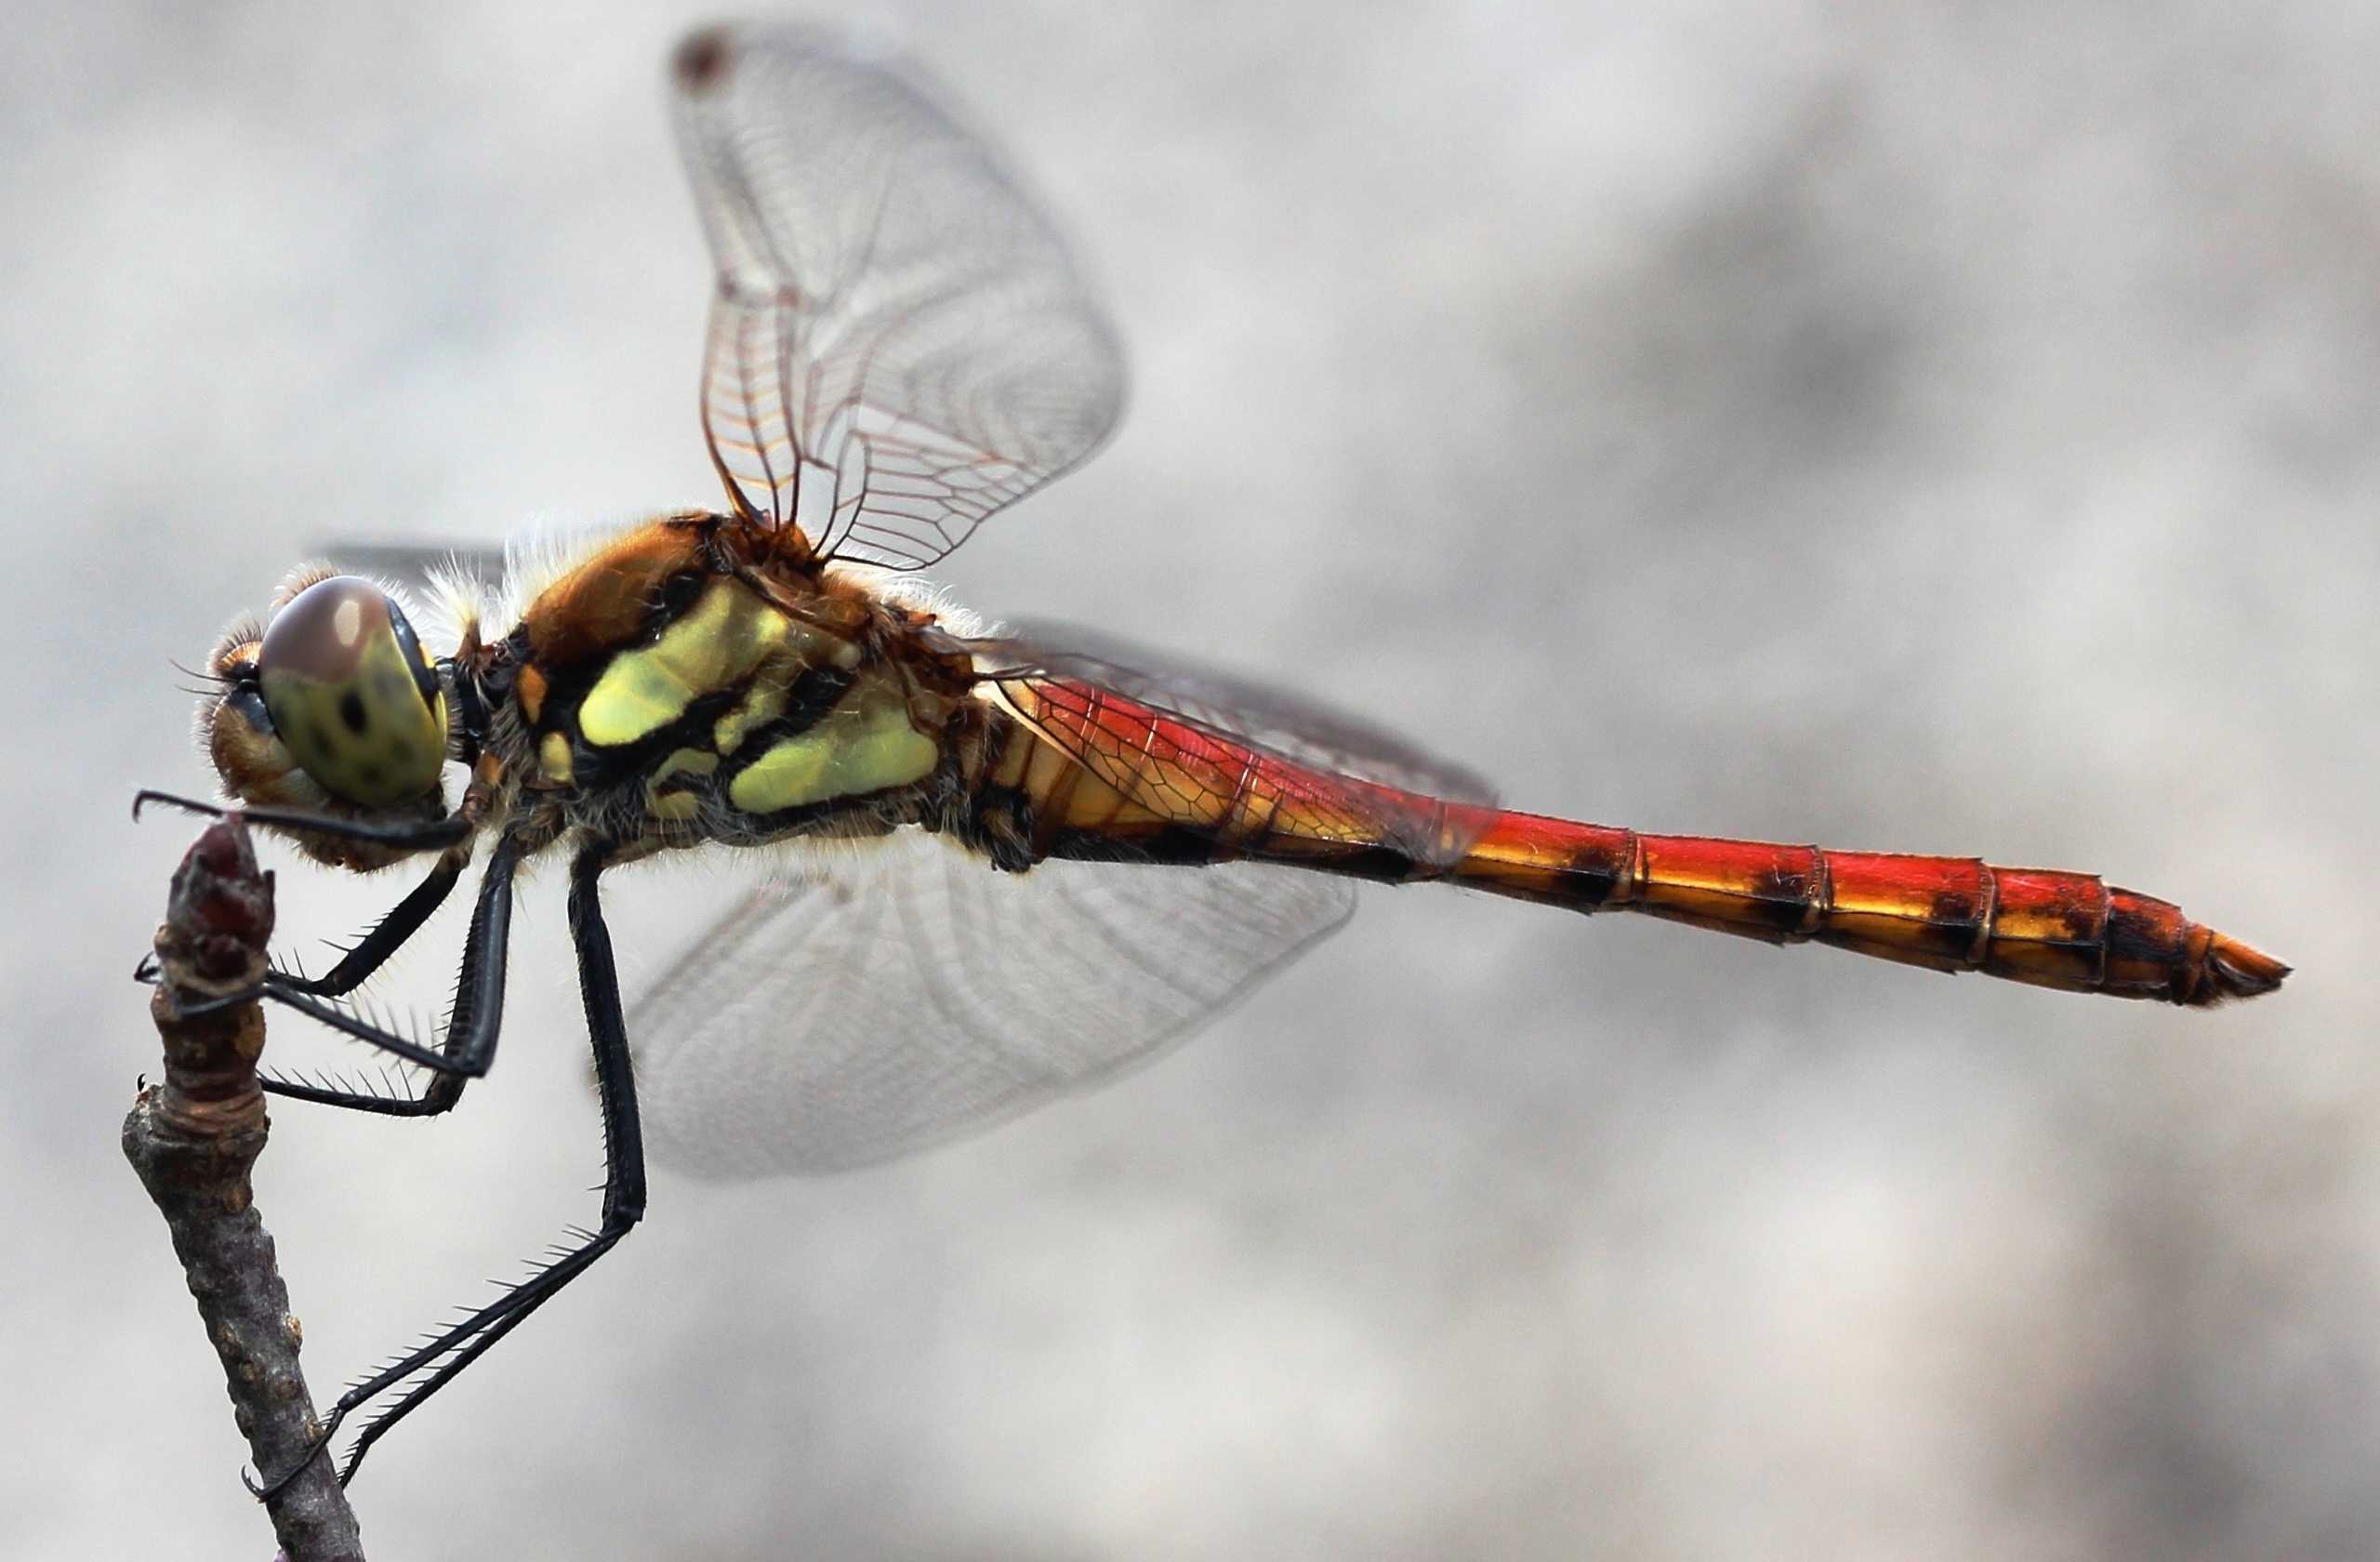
383,938
378,943
468,1047
418,835
454,1348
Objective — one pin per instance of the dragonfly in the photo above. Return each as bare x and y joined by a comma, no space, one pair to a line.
991,868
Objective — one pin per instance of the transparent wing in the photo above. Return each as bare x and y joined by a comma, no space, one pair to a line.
1226,706
894,998
900,345
1210,753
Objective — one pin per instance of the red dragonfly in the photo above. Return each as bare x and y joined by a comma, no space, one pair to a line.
1003,867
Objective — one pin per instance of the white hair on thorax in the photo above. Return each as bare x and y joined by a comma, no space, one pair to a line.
928,596
536,553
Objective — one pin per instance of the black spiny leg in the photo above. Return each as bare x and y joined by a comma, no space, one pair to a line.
418,835
468,1048
451,1349
383,938
469,1045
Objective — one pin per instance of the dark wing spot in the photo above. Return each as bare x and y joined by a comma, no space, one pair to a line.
701,64
351,710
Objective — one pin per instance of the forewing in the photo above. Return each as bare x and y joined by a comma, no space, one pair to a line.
1203,748
895,997
900,345
1296,727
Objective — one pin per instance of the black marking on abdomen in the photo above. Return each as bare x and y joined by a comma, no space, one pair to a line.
1200,846
1589,878
997,821
1781,898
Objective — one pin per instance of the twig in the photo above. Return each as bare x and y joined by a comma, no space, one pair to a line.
193,1138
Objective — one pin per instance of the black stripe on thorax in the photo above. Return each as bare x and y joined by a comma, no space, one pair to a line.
811,698
814,694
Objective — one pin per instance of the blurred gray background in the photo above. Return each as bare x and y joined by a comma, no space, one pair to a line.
1935,428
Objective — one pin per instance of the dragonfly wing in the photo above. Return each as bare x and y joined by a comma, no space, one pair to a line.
900,995
900,344
1226,706
1205,749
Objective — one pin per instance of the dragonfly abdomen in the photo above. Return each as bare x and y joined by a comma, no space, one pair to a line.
2050,928
1115,774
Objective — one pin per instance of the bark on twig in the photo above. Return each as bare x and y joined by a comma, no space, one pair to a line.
193,1137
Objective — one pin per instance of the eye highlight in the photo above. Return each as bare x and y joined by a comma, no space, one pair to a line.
350,695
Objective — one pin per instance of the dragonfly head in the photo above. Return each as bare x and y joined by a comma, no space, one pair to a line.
330,707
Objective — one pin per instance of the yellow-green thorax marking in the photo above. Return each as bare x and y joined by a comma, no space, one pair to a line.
866,746
719,705
720,641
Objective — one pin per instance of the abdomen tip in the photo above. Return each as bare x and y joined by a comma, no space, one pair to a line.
2236,970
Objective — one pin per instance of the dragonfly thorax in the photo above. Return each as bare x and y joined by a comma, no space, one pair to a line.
699,680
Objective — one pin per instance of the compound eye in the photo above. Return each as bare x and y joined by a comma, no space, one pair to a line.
351,695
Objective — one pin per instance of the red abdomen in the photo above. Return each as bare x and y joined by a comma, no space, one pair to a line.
1110,771
2050,928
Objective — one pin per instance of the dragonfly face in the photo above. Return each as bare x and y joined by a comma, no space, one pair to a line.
332,708
1004,869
